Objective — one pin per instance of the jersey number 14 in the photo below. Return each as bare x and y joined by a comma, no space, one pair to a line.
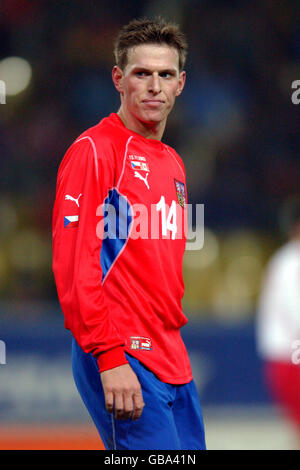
168,221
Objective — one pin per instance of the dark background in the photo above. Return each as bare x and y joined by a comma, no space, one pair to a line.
235,127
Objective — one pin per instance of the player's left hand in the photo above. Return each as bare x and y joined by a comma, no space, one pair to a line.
122,392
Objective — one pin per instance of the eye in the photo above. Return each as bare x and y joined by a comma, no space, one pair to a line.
165,75
140,73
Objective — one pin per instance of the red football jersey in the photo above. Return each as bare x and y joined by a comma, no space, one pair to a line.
118,245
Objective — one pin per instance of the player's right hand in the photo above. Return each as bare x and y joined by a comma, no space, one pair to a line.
122,392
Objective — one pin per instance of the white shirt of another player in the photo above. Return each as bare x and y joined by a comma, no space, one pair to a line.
278,322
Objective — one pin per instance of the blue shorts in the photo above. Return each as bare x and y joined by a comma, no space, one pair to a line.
171,419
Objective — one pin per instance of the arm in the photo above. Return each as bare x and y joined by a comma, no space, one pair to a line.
78,273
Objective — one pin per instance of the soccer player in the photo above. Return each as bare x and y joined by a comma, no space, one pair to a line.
118,246
278,323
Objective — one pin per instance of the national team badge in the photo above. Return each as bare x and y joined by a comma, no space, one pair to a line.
138,342
180,192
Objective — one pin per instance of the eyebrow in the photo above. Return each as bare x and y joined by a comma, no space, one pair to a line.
172,71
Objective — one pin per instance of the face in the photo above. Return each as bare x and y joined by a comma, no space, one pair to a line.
150,82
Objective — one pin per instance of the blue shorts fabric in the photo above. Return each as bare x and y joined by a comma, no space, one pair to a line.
171,419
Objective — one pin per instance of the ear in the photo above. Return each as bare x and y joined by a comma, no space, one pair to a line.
181,83
117,76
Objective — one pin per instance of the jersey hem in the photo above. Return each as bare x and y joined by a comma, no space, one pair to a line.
177,380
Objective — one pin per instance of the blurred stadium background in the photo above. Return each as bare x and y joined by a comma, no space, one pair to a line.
237,131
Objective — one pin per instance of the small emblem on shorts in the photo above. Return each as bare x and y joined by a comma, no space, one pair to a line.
139,342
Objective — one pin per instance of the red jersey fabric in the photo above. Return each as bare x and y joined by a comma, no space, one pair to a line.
122,292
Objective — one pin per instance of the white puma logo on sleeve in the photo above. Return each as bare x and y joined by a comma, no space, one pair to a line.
71,198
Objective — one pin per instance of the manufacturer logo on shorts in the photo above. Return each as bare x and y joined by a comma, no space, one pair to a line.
139,342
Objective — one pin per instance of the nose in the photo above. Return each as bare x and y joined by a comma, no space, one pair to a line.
154,85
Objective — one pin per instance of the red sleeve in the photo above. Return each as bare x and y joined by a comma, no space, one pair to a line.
76,253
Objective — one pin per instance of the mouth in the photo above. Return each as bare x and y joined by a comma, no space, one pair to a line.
153,102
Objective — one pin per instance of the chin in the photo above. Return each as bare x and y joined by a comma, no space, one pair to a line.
153,117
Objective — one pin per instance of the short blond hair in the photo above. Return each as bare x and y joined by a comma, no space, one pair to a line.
146,31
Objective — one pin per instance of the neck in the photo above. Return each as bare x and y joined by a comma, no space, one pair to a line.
149,130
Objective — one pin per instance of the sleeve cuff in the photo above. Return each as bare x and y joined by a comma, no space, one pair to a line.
112,358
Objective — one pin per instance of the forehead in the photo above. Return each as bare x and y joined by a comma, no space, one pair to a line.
153,57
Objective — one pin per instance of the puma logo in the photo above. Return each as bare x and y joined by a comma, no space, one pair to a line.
138,175
70,198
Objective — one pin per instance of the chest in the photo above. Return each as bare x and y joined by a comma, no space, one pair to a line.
150,175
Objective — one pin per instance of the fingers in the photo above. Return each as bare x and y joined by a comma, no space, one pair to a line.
138,405
125,405
119,406
128,406
109,401
123,393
